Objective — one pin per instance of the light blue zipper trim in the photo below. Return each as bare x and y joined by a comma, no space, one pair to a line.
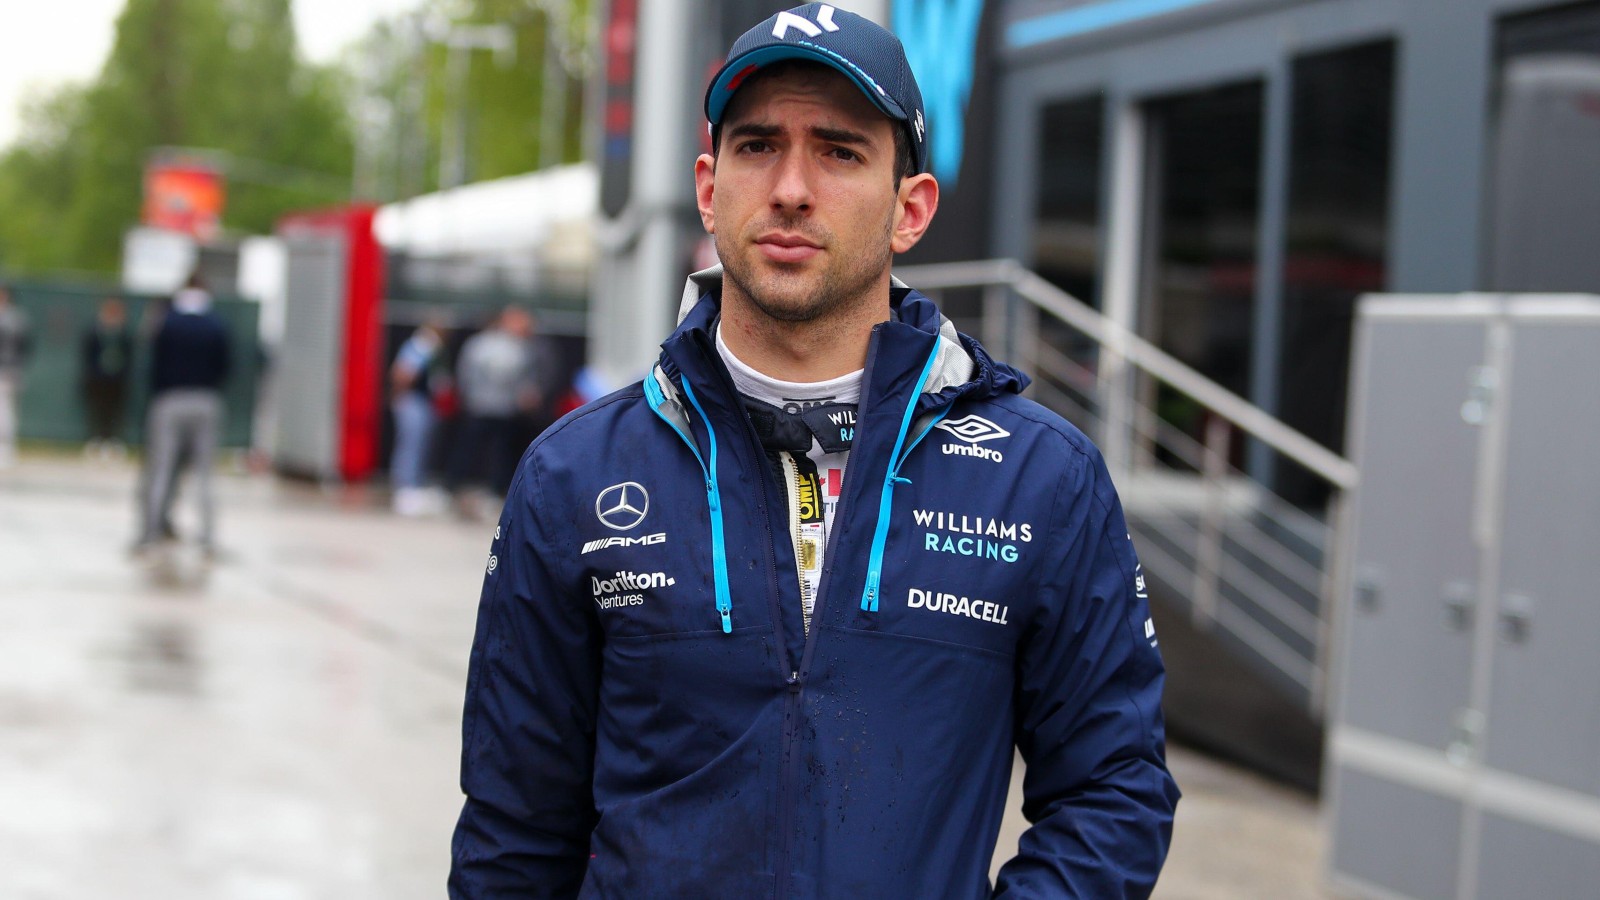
937,418
880,535
719,547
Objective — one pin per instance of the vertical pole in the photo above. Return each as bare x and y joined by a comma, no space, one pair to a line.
1208,549
1335,585
452,153
1495,377
1270,240
411,151
1122,278
999,316
636,294
1025,332
552,120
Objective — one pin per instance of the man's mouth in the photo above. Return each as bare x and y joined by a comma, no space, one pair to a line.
787,248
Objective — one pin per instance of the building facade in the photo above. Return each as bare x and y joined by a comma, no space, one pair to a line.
1226,177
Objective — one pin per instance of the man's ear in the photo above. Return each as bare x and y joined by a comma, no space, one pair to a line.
705,170
918,200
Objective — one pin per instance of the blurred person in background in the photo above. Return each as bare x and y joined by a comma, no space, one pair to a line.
106,363
416,379
547,387
150,319
15,347
190,358
681,687
498,383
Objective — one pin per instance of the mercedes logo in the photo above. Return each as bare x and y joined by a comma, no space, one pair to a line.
622,506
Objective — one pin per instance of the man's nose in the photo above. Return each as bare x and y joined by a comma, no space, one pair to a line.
791,186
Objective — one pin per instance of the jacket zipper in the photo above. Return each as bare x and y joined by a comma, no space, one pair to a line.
719,560
791,760
789,672
794,681
791,477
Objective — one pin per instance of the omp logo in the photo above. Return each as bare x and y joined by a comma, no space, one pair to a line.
796,407
974,430
808,497
649,540
788,20
622,506
625,588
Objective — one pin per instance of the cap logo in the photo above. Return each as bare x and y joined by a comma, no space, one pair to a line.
735,81
788,20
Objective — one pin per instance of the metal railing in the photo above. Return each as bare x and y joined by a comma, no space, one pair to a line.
1197,488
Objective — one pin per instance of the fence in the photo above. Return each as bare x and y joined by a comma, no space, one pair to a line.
1247,564
51,406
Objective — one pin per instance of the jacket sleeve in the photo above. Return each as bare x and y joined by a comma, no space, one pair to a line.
1088,712
528,728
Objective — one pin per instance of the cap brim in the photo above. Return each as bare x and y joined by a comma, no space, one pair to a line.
738,69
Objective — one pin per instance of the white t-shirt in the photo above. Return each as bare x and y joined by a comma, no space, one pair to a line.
819,475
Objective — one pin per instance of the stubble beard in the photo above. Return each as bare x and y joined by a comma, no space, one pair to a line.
790,297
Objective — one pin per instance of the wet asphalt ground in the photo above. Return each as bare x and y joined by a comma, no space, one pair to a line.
282,722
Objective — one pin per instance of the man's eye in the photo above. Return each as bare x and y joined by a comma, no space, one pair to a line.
845,154
754,147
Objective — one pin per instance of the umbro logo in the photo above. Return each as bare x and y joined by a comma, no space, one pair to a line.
973,430
622,506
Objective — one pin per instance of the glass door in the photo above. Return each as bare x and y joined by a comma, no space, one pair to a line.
1202,216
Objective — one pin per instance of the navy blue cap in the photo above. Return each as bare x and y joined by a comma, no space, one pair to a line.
866,52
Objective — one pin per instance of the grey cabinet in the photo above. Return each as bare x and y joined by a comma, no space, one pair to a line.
1464,741
311,357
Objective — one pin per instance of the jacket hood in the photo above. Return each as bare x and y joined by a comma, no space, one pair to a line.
962,368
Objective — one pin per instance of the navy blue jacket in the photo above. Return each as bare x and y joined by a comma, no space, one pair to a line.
190,351
646,717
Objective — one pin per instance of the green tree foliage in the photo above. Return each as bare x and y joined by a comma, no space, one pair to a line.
218,75
409,105
506,105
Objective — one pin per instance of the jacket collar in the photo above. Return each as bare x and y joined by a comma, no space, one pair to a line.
962,369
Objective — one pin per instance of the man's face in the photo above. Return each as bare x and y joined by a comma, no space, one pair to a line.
801,197
517,323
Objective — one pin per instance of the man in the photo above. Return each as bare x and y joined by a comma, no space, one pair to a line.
107,360
770,623
190,360
497,383
413,382
15,347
